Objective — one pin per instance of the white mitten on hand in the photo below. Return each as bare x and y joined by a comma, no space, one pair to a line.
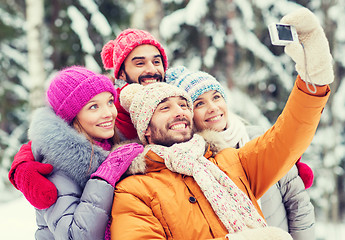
317,53
264,233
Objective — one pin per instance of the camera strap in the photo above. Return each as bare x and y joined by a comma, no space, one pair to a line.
308,80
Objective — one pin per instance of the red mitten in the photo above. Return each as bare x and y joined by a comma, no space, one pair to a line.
26,175
306,173
23,155
30,180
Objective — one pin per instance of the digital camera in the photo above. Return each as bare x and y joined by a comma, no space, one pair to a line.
282,34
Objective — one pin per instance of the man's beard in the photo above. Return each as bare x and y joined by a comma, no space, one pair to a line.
158,137
129,80
154,76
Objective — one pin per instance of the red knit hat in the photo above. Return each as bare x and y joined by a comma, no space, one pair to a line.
73,87
115,51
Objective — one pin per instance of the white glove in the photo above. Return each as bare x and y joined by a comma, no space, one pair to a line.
311,35
264,233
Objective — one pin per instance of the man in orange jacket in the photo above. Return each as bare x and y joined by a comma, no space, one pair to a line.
183,189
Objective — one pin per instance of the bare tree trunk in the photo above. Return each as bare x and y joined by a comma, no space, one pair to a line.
230,45
330,29
148,16
34,15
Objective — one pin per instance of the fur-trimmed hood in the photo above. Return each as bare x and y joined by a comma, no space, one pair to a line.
215,142
57,143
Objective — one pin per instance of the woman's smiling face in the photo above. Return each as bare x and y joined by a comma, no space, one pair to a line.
210,112
97,117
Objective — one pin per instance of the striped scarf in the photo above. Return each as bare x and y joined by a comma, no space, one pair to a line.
231,205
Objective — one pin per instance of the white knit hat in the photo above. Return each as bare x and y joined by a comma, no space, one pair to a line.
141,102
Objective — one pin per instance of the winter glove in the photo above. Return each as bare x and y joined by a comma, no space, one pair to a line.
265,233
117,163
317,53
30,180
306,174
23,155
26,175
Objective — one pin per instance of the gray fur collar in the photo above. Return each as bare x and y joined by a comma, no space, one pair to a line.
57,143
212,138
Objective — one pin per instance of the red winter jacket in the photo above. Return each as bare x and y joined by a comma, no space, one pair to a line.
123,120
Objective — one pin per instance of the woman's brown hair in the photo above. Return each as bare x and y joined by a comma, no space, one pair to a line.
76,125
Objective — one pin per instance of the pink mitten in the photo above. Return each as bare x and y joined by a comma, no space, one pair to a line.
117,163
305,172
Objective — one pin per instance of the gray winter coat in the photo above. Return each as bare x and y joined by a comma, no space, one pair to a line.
83,205
287,204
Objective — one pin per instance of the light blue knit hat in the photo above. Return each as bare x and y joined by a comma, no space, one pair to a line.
194,83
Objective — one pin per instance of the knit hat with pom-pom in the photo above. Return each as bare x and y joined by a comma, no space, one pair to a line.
141,102
73,87
115,51
194,83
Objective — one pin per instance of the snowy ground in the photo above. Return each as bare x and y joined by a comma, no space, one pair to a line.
17,221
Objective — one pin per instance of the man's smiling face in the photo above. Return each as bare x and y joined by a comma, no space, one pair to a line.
143,65
171,123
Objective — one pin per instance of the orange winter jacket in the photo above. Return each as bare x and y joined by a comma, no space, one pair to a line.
161,204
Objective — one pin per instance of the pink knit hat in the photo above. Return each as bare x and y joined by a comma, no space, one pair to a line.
115,51
73,87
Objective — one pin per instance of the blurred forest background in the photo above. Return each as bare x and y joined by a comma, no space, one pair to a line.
227,38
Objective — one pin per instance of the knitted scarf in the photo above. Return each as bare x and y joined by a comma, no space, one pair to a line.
105,144
231,205
235,133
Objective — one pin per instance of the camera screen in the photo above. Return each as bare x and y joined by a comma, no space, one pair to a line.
284,32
